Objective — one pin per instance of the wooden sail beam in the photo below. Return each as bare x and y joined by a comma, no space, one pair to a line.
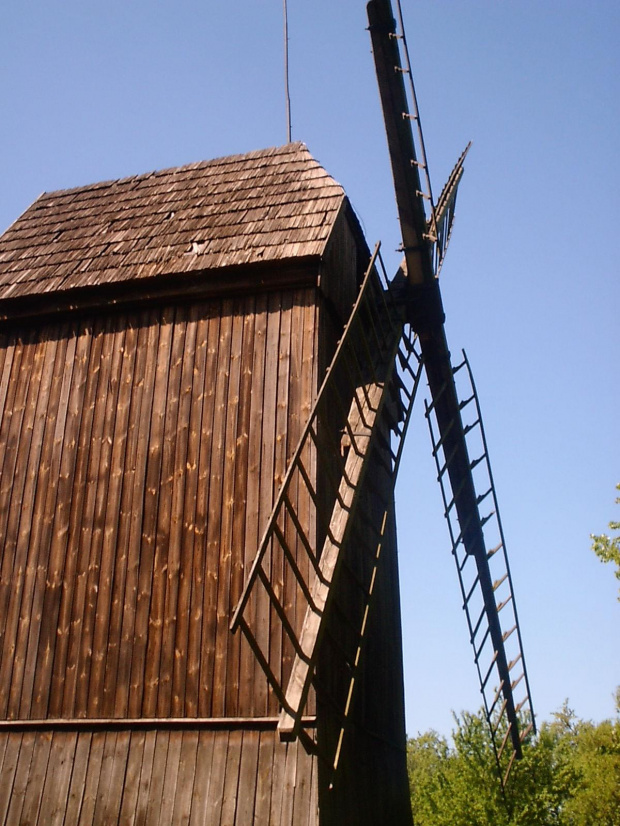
425,313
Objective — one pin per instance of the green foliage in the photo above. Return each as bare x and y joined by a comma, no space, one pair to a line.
608,548
569,776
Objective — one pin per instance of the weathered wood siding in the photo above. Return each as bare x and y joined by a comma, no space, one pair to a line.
139,457
206,778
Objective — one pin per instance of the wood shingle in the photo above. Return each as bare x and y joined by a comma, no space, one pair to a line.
265,206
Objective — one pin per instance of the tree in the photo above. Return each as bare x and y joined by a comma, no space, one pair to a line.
569,776
607,548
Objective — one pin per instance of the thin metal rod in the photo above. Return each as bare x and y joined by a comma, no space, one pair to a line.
286,75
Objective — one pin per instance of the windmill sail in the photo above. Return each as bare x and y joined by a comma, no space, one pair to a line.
425,312
369,389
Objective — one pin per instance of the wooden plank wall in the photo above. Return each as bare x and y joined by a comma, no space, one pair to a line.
156,777
129,444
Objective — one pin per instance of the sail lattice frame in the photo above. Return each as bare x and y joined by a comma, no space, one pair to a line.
362,410
507,700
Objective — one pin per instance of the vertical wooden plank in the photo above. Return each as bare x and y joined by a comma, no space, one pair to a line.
85,596
100,573
302,795
118,681
9,387
248,777
62,564
137,703
142,806
131,785
249,667
8,771
7,351
191,573
289,787
231,781
280,651
170,779
113,563
154,673
221,697
36,777
202,778
280,752
207,701
237,704
158,775
216,779
18,477
314,819
293,430
197,697
31,512
177,576
265,705
54,798
124,585
185,781
265,778
18,794
80,766
111,784
42,528
91,780
71,614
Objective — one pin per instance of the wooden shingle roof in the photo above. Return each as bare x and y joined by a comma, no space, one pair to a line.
269,205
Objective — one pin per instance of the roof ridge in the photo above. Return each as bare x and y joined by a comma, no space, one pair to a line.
256,154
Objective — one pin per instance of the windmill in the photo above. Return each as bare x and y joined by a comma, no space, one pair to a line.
396,332
189,359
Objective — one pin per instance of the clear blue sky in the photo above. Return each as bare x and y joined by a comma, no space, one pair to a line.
101,89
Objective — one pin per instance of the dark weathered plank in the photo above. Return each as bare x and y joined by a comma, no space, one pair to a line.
157,777
238,704
196,695
118,678
173,611
137,701
207,666
131,781
231,783
157,670
92,521
60,567
202,780
77,787
267,471
36,777
54,796
171,779
222,688
92,776
250,670
248,776
8,769
148,757
191,568
37,474
71,615
185,781
264,778
113,563
217,776
22,402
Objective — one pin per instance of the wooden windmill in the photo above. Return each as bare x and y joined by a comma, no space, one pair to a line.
205,382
